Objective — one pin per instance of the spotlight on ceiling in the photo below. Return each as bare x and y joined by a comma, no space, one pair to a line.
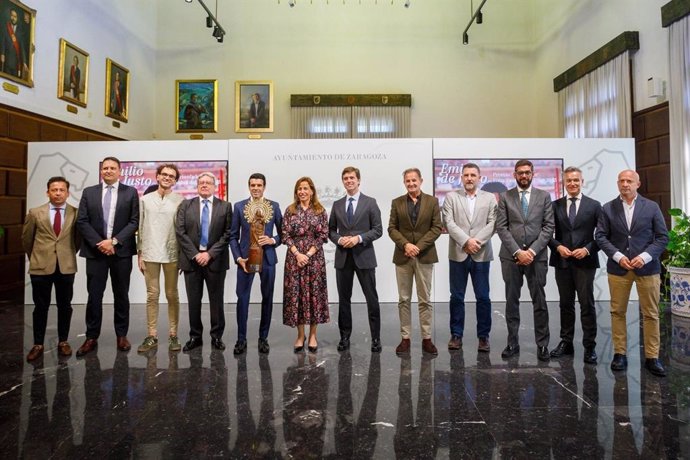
465,39
220,39
209,22
480,17
189,1
216,32
291,3
407,3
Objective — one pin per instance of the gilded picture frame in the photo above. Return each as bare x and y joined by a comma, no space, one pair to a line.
73,74
254,106
196,106
116,91
17,32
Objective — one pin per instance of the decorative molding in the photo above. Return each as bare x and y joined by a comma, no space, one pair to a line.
348,100
674,11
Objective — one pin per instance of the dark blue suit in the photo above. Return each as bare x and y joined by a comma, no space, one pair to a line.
239,245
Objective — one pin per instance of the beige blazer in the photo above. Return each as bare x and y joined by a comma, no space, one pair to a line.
461,228
45,249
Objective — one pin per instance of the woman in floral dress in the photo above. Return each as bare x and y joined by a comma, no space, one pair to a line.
305,295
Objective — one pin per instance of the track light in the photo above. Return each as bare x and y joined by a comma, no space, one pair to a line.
189,1
465,38
216,32
480,17
407,3
291,3
220,38
209,22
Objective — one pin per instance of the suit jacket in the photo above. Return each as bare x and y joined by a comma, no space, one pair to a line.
461,228
125,224
188,230
647,234
578,235
519,232
423,234
240,233
44,249
366,222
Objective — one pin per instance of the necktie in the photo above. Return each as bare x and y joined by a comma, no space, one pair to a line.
523,202
204,225
106,208
57,222
350,210
572,211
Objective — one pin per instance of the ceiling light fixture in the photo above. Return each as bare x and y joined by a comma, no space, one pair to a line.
476,15
407,3
211,21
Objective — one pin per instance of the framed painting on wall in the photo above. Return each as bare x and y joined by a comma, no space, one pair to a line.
17,22
196,103
116,90
254,106
73,74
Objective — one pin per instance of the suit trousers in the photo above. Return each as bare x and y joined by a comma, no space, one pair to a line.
152,277
97,270
421,274
194,282
513,275
41,288
575,280
459,272
344,278
648,292
243,291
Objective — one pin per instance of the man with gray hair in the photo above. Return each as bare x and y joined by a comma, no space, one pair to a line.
203,235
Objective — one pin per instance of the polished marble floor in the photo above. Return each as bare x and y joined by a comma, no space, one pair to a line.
355,404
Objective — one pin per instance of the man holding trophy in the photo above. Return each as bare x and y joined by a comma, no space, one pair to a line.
254,235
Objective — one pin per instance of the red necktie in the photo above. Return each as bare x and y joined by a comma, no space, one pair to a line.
57,222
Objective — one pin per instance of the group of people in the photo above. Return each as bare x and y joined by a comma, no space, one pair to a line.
196,236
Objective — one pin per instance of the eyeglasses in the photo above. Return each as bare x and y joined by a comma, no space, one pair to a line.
169,176
205,182
523,173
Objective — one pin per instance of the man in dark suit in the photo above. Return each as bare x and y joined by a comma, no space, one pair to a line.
50,240
632,233
107,220
524,223
241,238
203,233
354,224
574,254
414,226
257,112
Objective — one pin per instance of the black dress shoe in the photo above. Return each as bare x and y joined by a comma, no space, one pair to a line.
344,344
654,366
193,343
313,349
240,347
219,345
510,350
590,356
263,346
300,348
543,354
619,363
376,346
563,348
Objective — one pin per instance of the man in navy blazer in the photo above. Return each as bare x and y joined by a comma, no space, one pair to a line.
354,224
107,220
575,256
240,238
632,233
203,232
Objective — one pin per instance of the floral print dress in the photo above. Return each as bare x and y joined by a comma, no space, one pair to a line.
305,294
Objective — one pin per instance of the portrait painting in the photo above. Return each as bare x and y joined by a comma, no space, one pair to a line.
196,106
17,22
73,74
254,106
116,90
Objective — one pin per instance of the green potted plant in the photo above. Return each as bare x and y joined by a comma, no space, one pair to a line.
678,262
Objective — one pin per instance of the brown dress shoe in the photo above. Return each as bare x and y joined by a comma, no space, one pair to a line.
35,353
123,344
88,346
64,349
483,345
403,347
429,347
455,343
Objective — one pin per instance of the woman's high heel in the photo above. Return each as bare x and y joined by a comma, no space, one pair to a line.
301,347
313,349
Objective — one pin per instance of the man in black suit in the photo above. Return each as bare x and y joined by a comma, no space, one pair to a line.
354,225
574,253
203,235
107,220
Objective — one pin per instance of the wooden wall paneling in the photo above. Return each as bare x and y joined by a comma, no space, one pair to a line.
24,128
13,154
4,117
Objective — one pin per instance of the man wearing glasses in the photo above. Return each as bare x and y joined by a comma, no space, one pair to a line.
525,225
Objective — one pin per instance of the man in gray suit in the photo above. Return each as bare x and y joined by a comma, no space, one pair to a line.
203,235
525,224
469,215
354,225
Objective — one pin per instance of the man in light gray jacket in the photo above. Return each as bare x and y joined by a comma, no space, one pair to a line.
469,215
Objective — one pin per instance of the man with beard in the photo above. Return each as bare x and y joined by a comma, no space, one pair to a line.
525,225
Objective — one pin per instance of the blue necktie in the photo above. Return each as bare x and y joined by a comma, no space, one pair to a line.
204,225
523,202
107,200
350,210
572,211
